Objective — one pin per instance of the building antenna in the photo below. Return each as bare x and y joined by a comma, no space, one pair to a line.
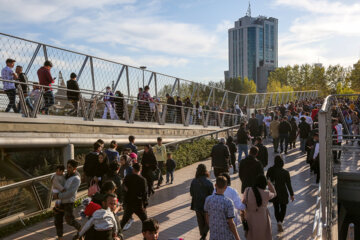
248,13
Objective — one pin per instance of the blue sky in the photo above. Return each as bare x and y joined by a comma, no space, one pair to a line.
185,38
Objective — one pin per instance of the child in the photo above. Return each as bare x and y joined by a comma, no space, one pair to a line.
133,157
170,168
150,229
58,182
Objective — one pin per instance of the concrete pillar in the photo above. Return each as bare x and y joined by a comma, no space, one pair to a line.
68,153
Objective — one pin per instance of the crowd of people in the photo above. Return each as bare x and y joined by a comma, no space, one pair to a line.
116,182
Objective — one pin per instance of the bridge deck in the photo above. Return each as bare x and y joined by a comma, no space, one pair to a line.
171,206
350,159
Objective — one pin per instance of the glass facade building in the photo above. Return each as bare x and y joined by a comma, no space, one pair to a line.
253,44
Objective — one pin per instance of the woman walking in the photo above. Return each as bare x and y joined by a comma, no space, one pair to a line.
281,179
200,188
293,133
257,214
149,164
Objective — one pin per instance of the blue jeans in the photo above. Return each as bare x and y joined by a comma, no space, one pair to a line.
48,100
168,175
302,144
242,148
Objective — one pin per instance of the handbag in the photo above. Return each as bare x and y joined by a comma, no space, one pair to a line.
243,219
94,188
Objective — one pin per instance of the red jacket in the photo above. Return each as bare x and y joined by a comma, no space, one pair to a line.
45,78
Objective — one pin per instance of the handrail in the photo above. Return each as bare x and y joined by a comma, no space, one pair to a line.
126,97
43,177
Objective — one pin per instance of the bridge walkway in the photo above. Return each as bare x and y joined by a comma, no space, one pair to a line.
171,207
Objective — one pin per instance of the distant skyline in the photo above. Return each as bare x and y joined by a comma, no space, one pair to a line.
186,38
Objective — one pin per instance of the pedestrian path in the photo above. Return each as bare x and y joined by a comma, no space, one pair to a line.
171,207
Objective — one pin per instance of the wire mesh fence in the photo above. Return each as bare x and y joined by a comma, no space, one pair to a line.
95,74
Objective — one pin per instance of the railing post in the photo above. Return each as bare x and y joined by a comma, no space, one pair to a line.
92,73
38,104
126,110
32,59
23,104
133,111
68,153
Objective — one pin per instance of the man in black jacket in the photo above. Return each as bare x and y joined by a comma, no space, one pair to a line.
24,80
220,158
242,138
253,127
284,132
170,109
262,155
135,200
304,130
73,96
91,162
249,169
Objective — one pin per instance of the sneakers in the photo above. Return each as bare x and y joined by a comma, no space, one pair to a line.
128,224
280,227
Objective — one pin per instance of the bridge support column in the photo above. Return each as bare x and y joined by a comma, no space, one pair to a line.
68,153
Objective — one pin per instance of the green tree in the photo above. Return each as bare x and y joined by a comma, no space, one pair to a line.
355,77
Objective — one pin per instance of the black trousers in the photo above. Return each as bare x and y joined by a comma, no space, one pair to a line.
148,175
69,218
75,107
218,171
336,154
280,211
130,209
11,94
284,137
203,227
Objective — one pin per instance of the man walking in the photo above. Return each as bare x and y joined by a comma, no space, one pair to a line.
274,132
67,200
253,127
242,137
249,169
46,80
73,96
284,132
135,199
220,213
161,156
260,118
9,87
220,158
304,130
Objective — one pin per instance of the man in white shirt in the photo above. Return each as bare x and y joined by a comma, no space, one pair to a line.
160,153
267,121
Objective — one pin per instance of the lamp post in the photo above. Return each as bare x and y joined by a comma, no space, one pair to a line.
143,69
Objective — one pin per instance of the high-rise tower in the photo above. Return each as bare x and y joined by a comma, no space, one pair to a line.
253,49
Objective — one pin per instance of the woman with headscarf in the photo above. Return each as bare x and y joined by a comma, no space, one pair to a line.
293,133
257,214
200,188
281,179
149,165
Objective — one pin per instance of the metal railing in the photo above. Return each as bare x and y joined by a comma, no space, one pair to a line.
31,196
130,109
96,73
326,213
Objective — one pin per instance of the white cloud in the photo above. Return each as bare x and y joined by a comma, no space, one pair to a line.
313,36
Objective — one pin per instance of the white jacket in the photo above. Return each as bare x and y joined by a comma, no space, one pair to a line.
102,219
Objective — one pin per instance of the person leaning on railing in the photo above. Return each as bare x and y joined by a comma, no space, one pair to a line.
9,87
73,96
46,80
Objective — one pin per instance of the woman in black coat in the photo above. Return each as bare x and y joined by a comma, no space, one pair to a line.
102,167
149,165
293,133
281,179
